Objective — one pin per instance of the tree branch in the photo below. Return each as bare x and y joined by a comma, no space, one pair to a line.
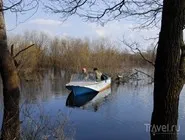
12,50
148,11
138,50
23,50
12,6
140,53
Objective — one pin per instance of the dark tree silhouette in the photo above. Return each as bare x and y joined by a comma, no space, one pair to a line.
169,70
103,11
11,93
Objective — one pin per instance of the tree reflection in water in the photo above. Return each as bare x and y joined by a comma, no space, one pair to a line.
89,100
35,124
11,124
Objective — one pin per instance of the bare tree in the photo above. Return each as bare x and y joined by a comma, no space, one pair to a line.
11,91
10,127
102,11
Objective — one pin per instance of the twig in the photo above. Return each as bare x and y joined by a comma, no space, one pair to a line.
139,51
145,74
12,6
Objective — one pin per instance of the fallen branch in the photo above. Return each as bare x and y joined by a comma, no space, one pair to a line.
152,78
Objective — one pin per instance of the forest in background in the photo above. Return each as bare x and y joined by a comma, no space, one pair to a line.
72,54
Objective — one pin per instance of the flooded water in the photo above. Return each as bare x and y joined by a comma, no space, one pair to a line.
122,115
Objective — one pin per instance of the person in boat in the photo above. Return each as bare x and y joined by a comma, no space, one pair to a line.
85,74
99,75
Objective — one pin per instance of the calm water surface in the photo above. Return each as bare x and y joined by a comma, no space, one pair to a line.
121,116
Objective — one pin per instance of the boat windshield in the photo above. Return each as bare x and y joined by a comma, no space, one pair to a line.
81,77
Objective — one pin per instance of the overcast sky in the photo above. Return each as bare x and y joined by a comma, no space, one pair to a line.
75,27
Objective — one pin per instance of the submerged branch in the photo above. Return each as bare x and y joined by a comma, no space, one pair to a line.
152,78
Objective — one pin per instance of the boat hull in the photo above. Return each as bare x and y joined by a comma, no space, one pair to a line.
82,88
78,90
87,101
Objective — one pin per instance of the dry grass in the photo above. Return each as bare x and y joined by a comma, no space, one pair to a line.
36,124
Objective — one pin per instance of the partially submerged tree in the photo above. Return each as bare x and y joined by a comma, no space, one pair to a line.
10,79
169,69
169,64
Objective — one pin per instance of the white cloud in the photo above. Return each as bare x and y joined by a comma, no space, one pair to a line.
113,29
118,30
42,21
101,32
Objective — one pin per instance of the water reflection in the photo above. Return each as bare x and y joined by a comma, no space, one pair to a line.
121,115
87,101
77,101
49,85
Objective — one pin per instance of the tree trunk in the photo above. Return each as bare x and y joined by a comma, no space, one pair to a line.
11,93
168,81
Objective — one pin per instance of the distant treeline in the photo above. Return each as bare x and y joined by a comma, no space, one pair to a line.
72,54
